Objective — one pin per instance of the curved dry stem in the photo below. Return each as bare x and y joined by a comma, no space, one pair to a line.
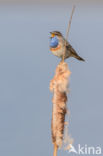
68,29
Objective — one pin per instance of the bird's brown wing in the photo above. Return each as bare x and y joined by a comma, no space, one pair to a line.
73,52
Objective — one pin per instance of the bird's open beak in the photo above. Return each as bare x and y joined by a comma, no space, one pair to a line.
52,35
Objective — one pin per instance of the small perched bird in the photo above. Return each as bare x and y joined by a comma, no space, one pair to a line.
59,45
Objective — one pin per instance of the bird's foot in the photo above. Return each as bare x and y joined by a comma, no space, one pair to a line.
62,61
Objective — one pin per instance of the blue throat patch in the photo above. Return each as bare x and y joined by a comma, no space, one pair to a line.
54,42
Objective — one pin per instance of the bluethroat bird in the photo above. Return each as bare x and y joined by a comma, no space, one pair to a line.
58,44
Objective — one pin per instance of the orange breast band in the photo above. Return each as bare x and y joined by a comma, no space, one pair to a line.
54,49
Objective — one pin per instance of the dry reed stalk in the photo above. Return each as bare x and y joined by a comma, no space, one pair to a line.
59,87
68,29
55,150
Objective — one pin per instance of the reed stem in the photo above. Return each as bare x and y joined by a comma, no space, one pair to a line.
67,33
55,149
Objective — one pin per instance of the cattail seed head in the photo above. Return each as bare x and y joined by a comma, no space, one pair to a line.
59,87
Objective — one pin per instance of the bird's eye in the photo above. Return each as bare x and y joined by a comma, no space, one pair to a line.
52,35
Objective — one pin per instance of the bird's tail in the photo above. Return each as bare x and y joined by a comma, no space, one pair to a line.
78,57
74,54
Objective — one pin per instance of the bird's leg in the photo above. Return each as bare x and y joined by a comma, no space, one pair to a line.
62,60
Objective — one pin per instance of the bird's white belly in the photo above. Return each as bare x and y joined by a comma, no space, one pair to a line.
58,52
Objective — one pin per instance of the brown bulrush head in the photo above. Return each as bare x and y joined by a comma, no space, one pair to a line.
59,87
